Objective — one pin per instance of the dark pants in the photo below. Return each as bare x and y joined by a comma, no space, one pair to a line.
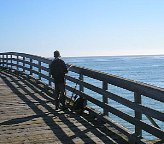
60,94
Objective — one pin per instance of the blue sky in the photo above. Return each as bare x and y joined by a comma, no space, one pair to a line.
82,27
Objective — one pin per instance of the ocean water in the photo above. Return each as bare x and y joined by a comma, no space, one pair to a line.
146,69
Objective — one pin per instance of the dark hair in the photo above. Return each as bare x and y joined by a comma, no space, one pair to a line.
56,54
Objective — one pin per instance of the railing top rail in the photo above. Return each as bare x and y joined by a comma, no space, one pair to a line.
151,91
39,58
131,85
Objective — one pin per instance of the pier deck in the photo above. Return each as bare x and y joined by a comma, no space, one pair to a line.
27,116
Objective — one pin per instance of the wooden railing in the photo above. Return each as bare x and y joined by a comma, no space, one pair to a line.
39,68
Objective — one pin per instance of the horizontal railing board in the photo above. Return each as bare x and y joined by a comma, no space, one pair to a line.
36,65
9,63
33,64
75,69
150,129
45,60
89,98
141,88
145,110
32,71
43,75
124,83
5,59
100,104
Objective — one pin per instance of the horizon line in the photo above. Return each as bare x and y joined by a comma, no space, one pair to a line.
111,56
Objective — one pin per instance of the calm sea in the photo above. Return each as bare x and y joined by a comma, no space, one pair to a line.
147,69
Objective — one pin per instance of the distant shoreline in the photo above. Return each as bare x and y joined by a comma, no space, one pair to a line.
110,56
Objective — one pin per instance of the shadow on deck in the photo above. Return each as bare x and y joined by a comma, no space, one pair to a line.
29,116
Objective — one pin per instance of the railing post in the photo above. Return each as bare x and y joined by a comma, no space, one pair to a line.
11,56
17,62
81,88
49,81
7,60
23,64
39,70
105,99
0,59
30,66
3,60
138,115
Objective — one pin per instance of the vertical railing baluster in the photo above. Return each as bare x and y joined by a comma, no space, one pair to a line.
0,59
3,60
39,70
105,99
30,66
7,61
81,87
138,115
17,62
49,82
23,64
11,56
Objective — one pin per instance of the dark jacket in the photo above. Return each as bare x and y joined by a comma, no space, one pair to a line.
58,69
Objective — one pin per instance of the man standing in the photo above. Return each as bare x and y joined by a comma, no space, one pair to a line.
58,69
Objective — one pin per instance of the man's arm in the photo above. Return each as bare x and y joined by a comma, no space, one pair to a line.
65,68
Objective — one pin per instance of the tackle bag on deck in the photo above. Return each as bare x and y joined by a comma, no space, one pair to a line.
79,104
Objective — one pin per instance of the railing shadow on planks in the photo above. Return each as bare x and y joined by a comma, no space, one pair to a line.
39,68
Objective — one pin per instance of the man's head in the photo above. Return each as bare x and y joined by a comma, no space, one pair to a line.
56,54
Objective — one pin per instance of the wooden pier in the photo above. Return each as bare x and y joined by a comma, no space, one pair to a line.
28,115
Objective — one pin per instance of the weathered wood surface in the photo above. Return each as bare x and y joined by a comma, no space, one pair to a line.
27,116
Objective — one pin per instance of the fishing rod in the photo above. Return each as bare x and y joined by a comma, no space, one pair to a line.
73,93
